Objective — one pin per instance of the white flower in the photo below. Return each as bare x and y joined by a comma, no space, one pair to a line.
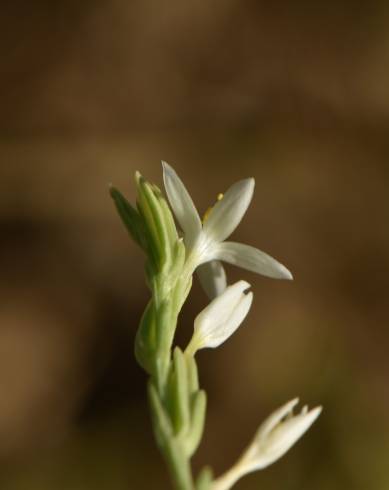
274,438
221,317
278,433
204,241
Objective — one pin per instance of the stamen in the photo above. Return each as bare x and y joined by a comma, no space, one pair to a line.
206,214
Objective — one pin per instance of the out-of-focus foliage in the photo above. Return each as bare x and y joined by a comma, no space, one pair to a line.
295,95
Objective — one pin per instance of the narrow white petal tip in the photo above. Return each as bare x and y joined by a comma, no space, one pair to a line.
285,273
248,186
289,406
316,412
250,182
167,169
293,402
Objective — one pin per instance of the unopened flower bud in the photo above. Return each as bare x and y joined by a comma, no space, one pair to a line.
221,317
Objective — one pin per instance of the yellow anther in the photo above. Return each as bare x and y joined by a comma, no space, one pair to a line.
206,214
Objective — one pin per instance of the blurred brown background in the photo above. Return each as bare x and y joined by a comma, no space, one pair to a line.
295,94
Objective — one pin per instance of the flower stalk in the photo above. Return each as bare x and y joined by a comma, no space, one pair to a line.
177,403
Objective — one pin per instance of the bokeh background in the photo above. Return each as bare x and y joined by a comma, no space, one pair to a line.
295,94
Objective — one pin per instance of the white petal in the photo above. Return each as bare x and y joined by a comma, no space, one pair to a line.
219,310
219,335
182,205
250,258
212,278
221,317
275,418
227,213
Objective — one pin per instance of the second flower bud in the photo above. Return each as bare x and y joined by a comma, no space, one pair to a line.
221,317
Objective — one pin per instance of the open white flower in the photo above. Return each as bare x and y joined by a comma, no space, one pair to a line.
274,438
221,317
205,241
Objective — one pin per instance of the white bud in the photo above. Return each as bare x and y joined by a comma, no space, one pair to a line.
221,317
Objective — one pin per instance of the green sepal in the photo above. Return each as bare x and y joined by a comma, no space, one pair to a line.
204,480
156,221
145,211
168,217
130,218
146,339
198,410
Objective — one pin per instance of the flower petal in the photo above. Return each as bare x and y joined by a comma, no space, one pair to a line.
275,418
227,213
252,259
219,310
212,278
182,205
221,317
287,433
233,323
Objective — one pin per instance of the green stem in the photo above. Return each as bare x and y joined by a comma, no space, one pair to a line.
179,467
170,443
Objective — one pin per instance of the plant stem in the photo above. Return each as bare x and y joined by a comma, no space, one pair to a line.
179,466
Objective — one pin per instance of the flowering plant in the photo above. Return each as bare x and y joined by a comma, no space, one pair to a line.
177,403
